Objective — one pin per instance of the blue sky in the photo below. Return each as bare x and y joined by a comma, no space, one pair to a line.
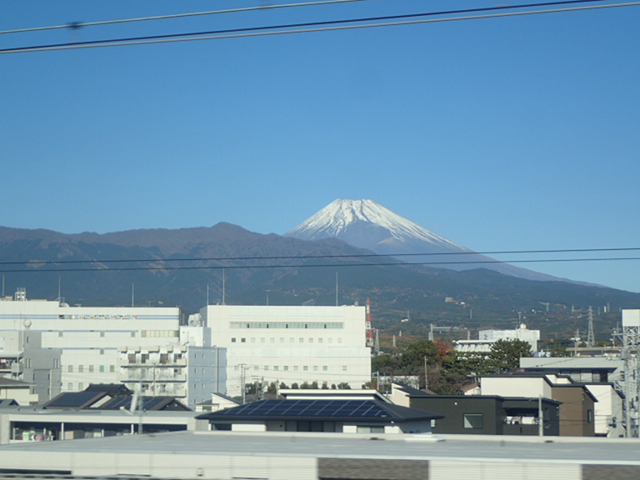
513,133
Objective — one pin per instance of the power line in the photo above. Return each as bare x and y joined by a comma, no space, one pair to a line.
311,27
309,257
75,25
306,265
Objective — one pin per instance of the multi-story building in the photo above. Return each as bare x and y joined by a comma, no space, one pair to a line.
486,339
23,358
189,373
89,337
285,344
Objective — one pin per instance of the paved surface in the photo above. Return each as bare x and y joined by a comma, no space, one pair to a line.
460,447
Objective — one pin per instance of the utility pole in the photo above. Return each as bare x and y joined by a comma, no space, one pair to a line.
540,417
426,379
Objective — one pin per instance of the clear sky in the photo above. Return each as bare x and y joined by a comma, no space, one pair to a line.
519,133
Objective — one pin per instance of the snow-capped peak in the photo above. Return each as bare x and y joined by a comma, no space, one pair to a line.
383,225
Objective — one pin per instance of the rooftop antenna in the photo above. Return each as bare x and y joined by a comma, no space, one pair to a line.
3,285
133,290
336,288
59,289
207,293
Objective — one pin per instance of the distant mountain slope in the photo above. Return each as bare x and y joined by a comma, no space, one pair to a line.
186,267
367,224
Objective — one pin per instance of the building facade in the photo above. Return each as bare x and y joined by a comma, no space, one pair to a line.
284,344
189,373
88,338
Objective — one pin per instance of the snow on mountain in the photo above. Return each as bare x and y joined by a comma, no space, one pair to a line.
367,224
347,218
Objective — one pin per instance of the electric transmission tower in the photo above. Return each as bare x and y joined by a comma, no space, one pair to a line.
591,341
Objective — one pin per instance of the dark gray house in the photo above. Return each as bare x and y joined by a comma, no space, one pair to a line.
487,414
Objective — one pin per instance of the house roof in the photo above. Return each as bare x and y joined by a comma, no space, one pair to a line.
410,391
78,400
11,383
148,403
361,411
113,389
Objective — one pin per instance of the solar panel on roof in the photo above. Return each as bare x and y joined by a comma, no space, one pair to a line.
72,399
310,408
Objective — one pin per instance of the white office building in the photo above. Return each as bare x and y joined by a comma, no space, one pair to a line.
285,344
486,339
88,338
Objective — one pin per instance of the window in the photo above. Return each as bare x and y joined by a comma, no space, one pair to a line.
368,429
286,367
102,333
589,416
70,369
305,368
133,334
325,368
69,386
319,340
112,368
276,367
473,420
102,368
91,368
81,386
233,340
81,368
60,334
243,340
344,368
315,368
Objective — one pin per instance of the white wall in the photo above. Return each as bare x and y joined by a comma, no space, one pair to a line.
515,386
291,344
89,337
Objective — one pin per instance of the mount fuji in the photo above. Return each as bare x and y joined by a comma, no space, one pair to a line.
367,224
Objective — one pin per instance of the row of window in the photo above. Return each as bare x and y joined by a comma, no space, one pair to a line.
92,368
96,317
284,340
293,368
287,325
143,333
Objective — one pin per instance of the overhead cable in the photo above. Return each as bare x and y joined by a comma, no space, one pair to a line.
312,257
315,265
312,27
74,25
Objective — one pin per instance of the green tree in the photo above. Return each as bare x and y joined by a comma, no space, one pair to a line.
505,355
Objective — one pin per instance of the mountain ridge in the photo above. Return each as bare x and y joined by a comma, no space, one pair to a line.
367,224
